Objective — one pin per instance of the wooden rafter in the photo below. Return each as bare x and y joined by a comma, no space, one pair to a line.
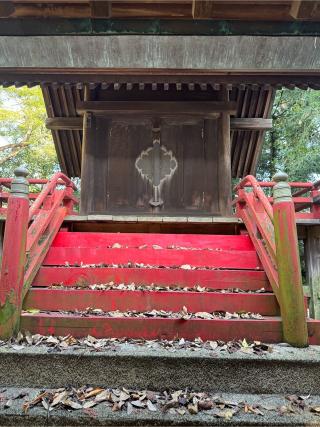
6,8
295,8
64,123
202,9
302,9
100,9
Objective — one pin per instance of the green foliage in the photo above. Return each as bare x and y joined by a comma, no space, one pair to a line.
293,144
25,139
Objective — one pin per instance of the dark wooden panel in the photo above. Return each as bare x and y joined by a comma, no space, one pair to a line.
127,191
119,171
94,165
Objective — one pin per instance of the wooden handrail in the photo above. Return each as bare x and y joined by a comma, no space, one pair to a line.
272,229
301,200
28,236
256,212
250,181
47,189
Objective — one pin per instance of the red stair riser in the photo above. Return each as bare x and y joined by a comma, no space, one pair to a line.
267,330
167,257
215,279
226,242
110,300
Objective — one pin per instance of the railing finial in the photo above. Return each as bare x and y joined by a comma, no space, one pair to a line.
21,171
280,176
20,184
282,189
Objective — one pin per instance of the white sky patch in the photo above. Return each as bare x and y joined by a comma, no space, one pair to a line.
3,141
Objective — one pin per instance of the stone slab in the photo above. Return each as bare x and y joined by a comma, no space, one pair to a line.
101,415
285,370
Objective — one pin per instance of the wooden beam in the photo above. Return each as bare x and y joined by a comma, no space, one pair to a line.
6,8
307,10
101,9
162,108
64,123
295,8
250,124
202,9
76,123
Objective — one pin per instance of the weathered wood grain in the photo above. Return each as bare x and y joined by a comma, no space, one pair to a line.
218,53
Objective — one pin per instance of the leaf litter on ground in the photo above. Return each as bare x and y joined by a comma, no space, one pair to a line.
179,402
68,342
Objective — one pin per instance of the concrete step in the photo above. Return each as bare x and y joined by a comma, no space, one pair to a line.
243,410
152,366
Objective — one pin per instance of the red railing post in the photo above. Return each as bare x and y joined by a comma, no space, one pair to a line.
288,262
14,255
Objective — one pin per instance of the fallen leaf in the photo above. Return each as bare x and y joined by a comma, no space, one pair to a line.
89,404
138,404
124,396
93,392
227,415
72,404
59,398
204,315
193,409
151,406
213,344
46,405
116,246
205,404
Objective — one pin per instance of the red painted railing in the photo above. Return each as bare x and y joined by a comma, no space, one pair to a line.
272,228
305,196
5,183
256,212
29,232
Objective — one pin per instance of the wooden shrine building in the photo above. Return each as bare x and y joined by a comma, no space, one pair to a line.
158,106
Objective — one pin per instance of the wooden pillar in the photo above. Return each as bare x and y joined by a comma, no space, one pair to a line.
224,160
14,255
291,299
94,162
312,262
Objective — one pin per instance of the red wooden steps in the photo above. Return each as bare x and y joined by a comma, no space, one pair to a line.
247,260
215,279
267,330
134,240
226,262
124,300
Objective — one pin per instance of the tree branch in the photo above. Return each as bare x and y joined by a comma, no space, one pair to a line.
17,147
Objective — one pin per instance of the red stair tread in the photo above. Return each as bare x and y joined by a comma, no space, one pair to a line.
126,300
166,257
204,241
217,279
266,330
